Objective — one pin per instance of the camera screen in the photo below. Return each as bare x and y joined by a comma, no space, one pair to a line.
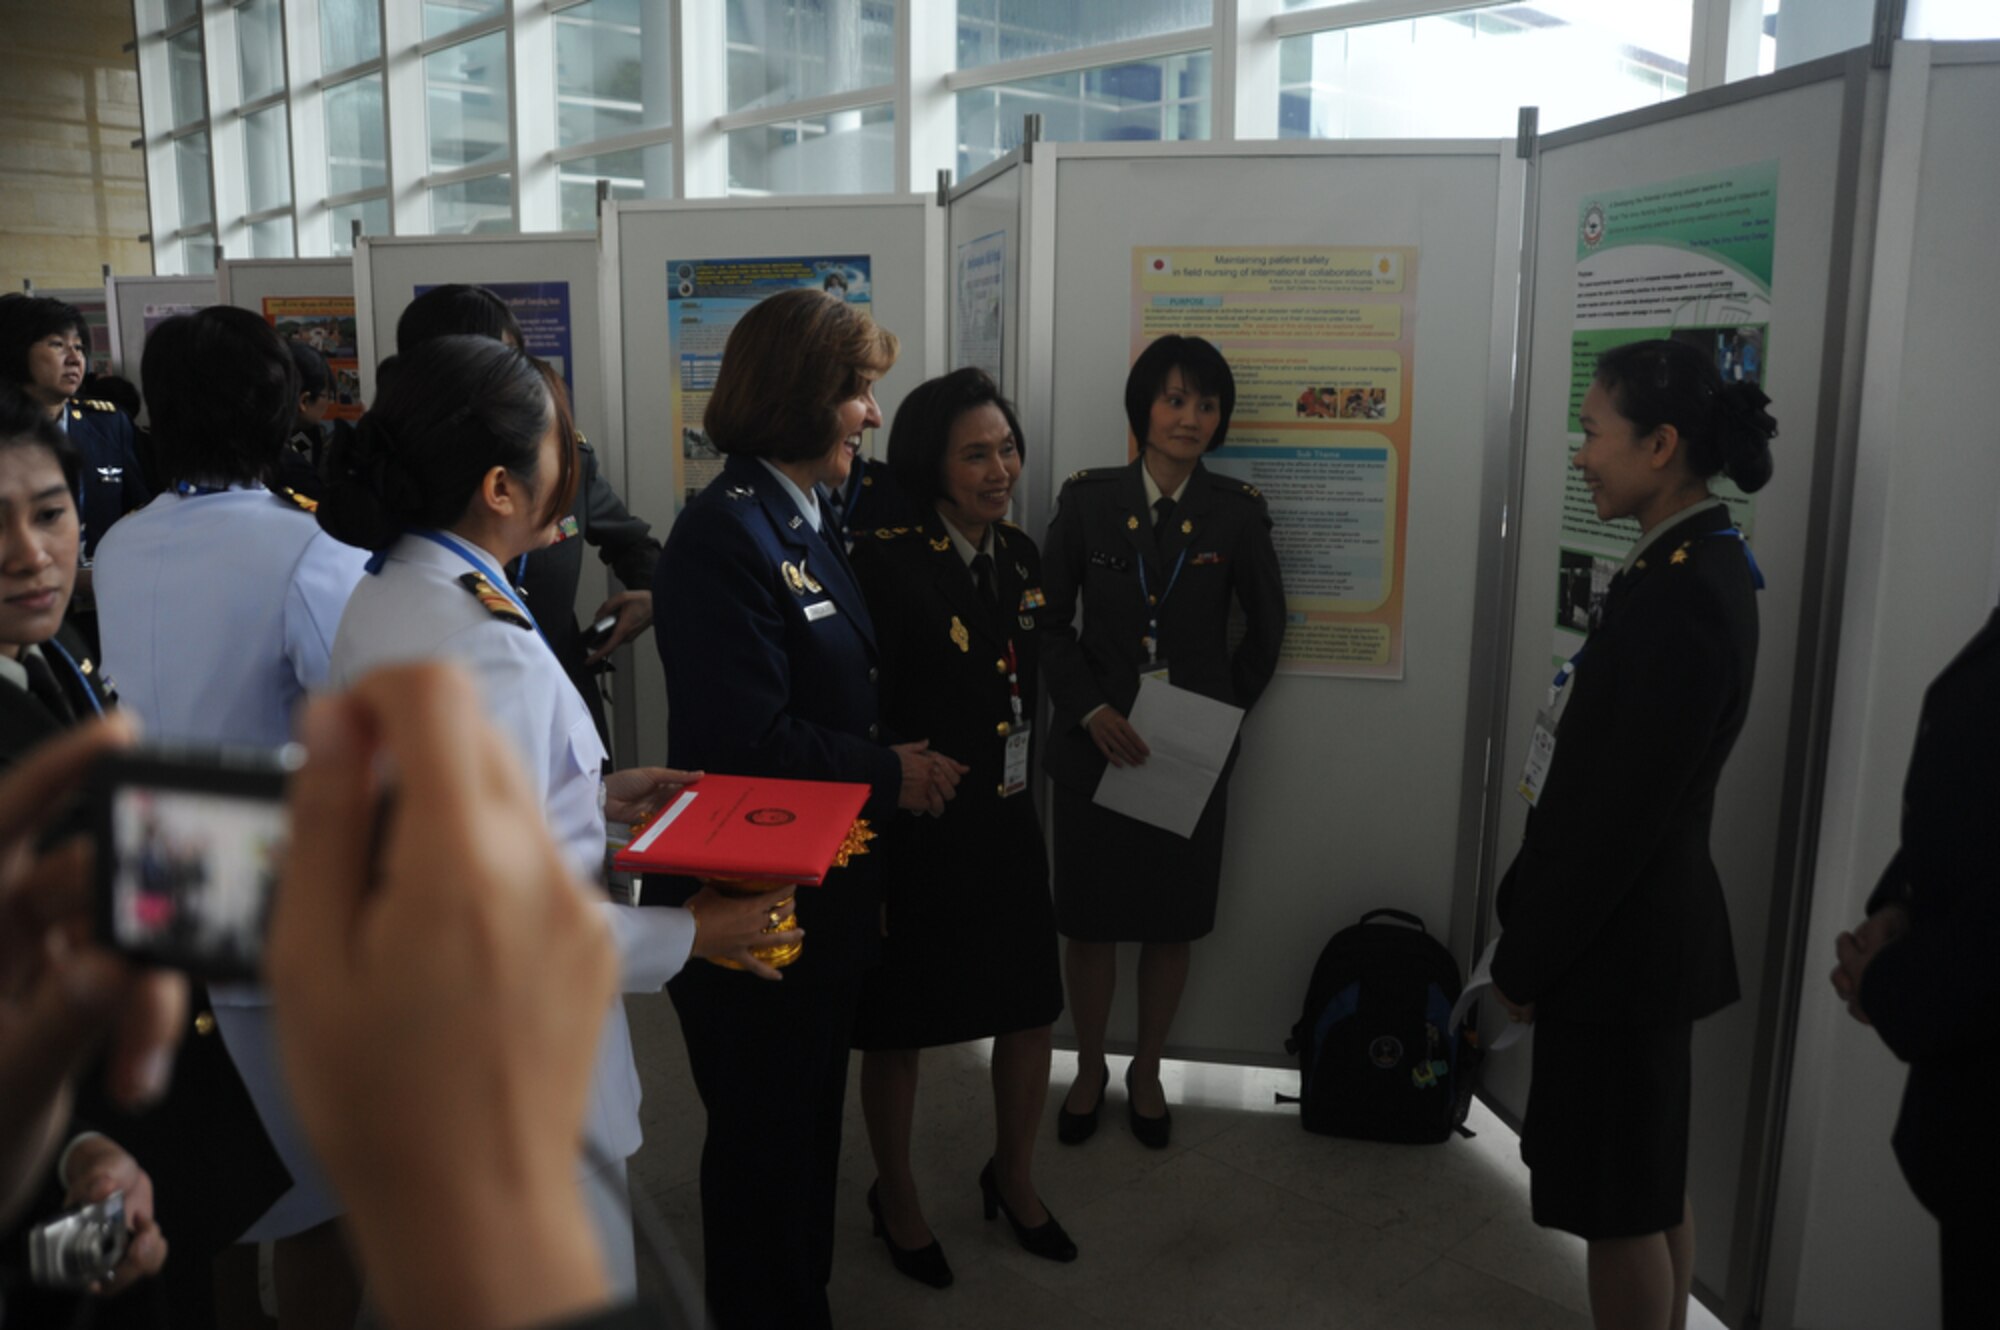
193,874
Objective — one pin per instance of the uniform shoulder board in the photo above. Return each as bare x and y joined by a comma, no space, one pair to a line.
1011,526
1095,473
96,404
286,494
894,532
496,602
1231,485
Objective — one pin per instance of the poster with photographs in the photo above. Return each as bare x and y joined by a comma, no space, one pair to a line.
326,324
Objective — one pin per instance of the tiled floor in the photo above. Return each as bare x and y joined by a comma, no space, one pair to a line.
1246,1221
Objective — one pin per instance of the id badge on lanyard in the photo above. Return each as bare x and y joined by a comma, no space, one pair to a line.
1542,744
1014,772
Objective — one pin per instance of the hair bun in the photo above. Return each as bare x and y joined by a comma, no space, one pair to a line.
371,498
1744,430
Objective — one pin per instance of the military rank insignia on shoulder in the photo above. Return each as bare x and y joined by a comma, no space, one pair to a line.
1243,488
495,601
891,532
1095,473
291,496
96,404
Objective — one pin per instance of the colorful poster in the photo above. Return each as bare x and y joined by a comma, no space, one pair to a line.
1321,341
542,310
1686,259
705,298
326,324
980,268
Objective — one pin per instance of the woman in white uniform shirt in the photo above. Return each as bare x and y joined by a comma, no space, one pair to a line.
462,465
217,604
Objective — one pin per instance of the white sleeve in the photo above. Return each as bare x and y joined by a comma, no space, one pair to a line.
653,944
322,580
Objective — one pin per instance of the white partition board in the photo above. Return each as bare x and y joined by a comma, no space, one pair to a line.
903,236
1347,794
1799,124
1853,1249
248,283
387,272
128,299
988,206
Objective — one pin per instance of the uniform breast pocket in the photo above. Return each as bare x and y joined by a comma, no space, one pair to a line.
583,753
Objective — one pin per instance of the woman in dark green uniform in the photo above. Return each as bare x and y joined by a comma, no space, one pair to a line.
1617,938
970,944
1154,553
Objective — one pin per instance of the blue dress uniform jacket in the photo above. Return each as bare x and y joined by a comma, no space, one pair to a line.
1613,909
1934,993
112,481
218,613
1100,537
870,500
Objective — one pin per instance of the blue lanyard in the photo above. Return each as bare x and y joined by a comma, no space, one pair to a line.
500,583
1756,573
1563,674
69,660
1152,642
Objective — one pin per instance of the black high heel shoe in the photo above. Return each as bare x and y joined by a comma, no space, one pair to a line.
1076,1128
926,1265
1153,1133
1046,1240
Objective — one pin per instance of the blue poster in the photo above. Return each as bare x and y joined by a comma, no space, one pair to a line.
542,310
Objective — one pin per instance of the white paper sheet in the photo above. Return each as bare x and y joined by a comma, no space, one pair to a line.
1482,980
1190,737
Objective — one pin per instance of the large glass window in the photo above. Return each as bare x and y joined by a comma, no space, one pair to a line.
356,156
350,32
373,214
848,152
787,50
1144,101
271,238
1467,74
1952,20
185,82
267,160
260,48
191,170
614,64
198,254
180,11
990,31
637,173
465,90
443,16
472,206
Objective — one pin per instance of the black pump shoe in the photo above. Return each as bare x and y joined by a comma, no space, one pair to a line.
1046,1240
1076,1128
926,1265
1153,1133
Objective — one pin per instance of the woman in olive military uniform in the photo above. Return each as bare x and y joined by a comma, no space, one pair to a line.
970,938
1617,936
1155,552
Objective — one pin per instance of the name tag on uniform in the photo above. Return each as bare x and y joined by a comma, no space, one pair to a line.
821,609
1014,777
1541,752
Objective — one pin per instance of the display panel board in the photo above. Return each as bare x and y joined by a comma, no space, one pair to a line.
137,305
1347,795
659,255
1733,203
311,300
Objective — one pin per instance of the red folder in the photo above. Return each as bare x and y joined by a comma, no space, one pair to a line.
748,828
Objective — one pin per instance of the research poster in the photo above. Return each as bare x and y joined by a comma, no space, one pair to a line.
980,268
326,324
1687,259
1321,344
705,298
542,310
153,314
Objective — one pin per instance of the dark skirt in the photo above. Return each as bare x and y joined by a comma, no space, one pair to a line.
1605,1137
1121,880
969,943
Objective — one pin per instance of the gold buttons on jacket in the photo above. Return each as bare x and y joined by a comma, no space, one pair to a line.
1000,666
205,1023
1003,728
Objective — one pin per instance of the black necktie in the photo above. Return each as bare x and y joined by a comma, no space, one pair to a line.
982,575
43,686
836,502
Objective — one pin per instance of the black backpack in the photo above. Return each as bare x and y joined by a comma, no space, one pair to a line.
1376,1060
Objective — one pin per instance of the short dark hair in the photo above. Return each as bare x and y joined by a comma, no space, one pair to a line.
456,309
25,320
121,392
1667,382
1203,370
920,438
315,375
457,407
790,362
25,424
223,395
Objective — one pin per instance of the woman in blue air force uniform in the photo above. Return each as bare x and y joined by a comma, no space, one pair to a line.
462,466
1617,938
772,667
